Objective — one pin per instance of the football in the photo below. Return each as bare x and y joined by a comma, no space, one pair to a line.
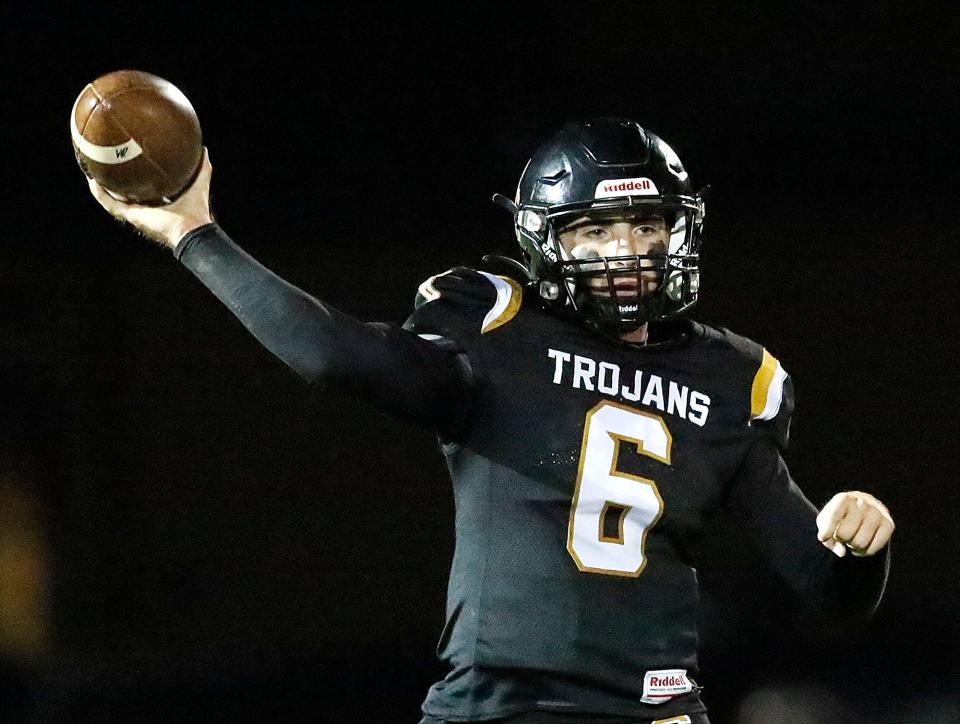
137,135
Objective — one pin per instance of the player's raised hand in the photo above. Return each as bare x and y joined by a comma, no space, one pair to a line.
166,224
856,521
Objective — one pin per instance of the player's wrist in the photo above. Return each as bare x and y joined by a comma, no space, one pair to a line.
180,230
180,246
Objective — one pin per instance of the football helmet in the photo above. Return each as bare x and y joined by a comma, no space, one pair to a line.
603,168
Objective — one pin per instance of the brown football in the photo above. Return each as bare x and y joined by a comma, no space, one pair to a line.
137,135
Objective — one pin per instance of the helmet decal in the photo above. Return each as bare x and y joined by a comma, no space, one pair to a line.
609,188
673,161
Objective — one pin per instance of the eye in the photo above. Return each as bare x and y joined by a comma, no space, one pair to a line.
594,232
646,229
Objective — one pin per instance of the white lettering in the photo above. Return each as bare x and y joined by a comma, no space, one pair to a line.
611,379
584,369
677,400
634,394
654,393
560,357
611,387
625,187
699,408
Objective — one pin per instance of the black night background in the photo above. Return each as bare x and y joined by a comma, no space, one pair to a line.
187,532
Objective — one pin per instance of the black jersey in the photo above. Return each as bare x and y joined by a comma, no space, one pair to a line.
583,469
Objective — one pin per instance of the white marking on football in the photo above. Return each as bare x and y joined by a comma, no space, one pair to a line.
126,151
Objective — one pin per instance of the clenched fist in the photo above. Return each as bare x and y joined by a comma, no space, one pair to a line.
855,521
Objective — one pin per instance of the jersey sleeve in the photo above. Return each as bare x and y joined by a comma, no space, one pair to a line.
463,304
771,400
761,391
765,501
767,504
397,372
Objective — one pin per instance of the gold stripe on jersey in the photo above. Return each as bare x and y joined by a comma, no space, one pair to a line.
761,384
509,297
682,719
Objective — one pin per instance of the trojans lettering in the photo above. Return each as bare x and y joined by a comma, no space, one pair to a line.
650,390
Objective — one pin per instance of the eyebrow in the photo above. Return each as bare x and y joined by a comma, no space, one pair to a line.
605,222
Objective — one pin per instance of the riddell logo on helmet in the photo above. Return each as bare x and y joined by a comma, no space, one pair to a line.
625,187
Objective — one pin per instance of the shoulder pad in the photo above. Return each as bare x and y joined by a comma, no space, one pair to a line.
767,388
464,301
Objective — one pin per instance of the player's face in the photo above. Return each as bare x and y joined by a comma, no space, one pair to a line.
618,236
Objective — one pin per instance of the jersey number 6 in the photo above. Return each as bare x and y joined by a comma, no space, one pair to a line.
598,542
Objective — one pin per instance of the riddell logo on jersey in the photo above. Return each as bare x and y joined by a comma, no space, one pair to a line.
667,681
665,684
625,187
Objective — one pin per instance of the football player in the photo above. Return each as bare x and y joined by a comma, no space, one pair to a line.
590,428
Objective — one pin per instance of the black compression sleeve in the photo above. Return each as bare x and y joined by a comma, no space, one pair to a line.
395,370
765,500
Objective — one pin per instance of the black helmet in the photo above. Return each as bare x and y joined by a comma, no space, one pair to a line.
604,166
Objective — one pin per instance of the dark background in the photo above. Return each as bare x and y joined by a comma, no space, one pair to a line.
215,541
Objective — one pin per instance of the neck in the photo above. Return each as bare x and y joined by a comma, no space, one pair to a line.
637,336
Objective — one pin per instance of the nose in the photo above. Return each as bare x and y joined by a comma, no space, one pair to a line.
623,245
618,246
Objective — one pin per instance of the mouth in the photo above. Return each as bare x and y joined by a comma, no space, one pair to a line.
623,289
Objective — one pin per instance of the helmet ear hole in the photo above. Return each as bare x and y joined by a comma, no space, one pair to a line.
530,221
550,290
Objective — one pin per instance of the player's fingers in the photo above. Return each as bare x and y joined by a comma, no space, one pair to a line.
846,529
835,547
825,517
206,169
882,536
868,529
115,207
101,195
859,504
197,194
830,515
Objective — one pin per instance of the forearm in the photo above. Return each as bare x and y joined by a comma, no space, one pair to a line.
766,502
287,321
850,587
392,369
